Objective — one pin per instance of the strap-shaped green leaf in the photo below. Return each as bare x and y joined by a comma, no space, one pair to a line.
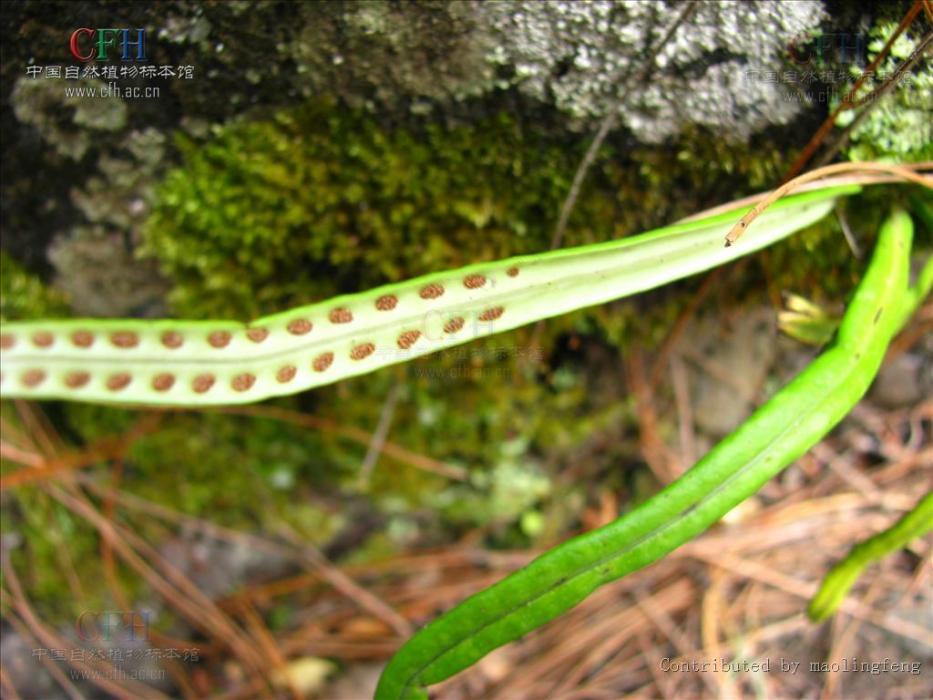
843,575
195,363
777,433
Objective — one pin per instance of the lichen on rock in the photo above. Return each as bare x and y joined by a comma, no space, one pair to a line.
580,57
99,273
386,54
67,122
900,125
583,56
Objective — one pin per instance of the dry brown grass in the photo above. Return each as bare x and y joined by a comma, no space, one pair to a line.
735,594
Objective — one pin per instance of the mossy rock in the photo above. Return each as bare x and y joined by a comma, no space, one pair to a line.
322,199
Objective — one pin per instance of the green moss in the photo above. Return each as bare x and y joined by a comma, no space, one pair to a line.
24,296
899,126
320,200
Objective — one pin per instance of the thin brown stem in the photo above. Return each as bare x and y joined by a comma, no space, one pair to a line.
874,98
846,102
901,171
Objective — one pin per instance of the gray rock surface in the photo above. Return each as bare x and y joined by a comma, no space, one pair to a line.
573,55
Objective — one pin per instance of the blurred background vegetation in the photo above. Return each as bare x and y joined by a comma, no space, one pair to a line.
330,147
